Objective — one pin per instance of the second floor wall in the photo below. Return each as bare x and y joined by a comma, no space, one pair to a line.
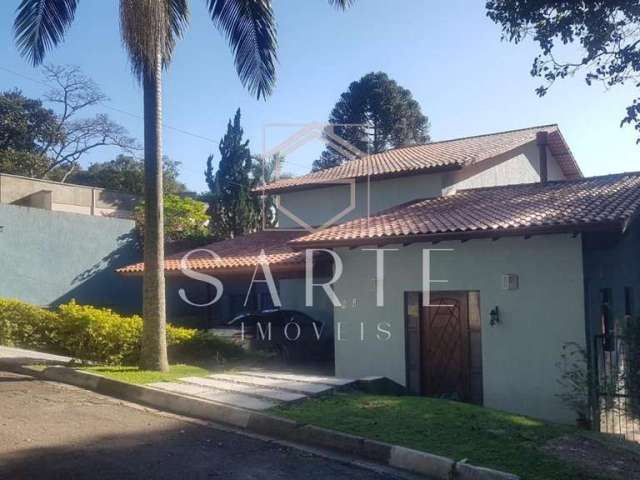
316,206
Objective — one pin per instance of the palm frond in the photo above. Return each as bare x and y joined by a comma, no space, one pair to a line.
250,28
342,4
149,29
40,25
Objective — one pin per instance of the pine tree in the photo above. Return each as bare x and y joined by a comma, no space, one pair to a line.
380,115
234,209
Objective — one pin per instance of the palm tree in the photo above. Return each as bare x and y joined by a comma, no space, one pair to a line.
149,30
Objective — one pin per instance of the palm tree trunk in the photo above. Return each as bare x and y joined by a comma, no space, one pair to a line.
154,338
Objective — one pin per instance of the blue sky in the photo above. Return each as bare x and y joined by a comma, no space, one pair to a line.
446,52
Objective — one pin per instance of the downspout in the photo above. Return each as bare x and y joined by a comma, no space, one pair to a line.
542,140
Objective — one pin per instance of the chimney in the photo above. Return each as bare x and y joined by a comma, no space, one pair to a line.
542,139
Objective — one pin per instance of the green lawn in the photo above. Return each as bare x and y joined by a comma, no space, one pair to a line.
135,375
485,437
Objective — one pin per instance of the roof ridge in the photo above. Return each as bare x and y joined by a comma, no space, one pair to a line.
474,136
436,143
327,173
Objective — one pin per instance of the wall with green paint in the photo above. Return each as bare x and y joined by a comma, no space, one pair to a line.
48,258
519,356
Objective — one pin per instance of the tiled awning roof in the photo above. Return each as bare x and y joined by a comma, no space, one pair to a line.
596,203
449,154
236,255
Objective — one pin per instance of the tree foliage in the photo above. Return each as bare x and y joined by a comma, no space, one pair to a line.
48,143
379,114
263,172
608,33
184,219
233,208
126,174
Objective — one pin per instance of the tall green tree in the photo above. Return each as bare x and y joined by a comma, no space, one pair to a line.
126,174
149,30
234,209
374,114
26,125
606,32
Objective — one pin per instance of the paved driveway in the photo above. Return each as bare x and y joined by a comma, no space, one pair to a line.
53,431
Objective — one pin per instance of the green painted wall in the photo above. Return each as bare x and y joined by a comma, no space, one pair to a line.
316,206
519,356
47,258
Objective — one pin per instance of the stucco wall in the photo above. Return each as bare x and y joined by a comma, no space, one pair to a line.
519,356
518,166
316,206
51,257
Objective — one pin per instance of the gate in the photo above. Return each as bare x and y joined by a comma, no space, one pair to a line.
616,407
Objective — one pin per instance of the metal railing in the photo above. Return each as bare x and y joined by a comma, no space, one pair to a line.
617,408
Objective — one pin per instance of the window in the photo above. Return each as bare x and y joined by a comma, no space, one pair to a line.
628,302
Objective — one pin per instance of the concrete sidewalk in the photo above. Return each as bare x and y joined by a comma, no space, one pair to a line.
20,356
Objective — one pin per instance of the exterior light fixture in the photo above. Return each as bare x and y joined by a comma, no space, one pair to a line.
494,316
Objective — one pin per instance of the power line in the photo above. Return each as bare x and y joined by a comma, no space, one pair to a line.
134,115
109,107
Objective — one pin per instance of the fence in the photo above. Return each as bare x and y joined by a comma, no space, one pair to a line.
616,403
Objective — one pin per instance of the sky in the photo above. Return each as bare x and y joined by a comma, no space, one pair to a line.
447,53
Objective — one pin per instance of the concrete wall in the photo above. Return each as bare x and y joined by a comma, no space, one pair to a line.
65,197
519,356
51,257
316,206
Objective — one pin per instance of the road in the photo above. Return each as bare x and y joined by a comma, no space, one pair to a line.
54,431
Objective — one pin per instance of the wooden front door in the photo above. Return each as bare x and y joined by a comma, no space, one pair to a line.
445,346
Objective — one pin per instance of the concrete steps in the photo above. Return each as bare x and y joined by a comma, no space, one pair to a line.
221,396
253,389
263,393
274,383
293,377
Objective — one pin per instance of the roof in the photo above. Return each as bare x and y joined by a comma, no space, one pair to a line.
434,156
595,203
239,254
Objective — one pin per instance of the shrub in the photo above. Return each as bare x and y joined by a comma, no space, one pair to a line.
24,325
100,334
202,346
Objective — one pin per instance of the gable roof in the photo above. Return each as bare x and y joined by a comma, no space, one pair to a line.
237,255
597,203
444,155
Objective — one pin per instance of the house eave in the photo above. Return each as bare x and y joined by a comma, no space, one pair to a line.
614,227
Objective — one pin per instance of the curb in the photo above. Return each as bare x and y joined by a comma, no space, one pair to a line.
415,461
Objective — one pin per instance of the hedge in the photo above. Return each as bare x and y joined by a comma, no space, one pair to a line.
100,334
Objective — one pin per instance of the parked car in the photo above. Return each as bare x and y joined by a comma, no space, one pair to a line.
293,335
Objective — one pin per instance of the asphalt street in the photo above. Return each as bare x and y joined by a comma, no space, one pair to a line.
55,431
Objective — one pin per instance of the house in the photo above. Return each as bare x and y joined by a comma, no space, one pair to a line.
65,197
460,268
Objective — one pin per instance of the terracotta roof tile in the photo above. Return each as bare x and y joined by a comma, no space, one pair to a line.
240,253
446,154
568,205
